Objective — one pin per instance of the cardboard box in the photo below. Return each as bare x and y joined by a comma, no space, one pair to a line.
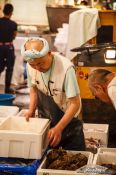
7,111
107,150
97,131
42,168
22,139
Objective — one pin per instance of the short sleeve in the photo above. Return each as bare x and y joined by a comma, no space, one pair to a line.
15,26
71,86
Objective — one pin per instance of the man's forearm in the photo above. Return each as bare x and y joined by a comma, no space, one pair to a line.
33,100
69,114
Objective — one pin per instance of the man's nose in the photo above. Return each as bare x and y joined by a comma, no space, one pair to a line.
36,66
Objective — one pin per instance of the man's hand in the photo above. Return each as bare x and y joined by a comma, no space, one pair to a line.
28,115
54,136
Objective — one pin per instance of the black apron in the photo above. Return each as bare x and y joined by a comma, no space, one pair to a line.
72,136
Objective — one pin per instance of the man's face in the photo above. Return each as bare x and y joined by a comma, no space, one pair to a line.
41,64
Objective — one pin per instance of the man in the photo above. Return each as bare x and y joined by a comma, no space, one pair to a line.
54,89
8,30
102,83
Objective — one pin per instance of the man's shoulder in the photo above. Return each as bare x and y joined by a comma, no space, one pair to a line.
13,22
8,22
1,19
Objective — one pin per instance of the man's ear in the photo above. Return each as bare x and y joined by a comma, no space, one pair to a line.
97,87
100,87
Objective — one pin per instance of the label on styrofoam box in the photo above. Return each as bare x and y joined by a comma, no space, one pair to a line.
104,159
7,111
107,150
42,169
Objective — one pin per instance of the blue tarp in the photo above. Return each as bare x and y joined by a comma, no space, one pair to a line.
18,166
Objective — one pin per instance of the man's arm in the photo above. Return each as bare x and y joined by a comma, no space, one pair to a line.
15,30
55,133
33,103
14,34
74,103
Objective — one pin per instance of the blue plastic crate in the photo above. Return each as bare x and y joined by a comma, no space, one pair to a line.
18,166
7,99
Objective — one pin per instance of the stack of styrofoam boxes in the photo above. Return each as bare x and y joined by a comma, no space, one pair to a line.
7,111
22,139
42,168
97,131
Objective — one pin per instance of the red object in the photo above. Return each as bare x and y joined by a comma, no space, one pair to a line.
81,74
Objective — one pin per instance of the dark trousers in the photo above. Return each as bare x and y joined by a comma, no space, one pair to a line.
7,60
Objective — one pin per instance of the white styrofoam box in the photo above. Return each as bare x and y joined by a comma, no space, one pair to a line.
42,170
7,111
22,139
104,158
2,119
23,111
98,131
107,150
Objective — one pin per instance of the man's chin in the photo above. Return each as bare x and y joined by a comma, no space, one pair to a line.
43,70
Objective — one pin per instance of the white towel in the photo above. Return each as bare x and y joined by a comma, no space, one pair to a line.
60,41
83,25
